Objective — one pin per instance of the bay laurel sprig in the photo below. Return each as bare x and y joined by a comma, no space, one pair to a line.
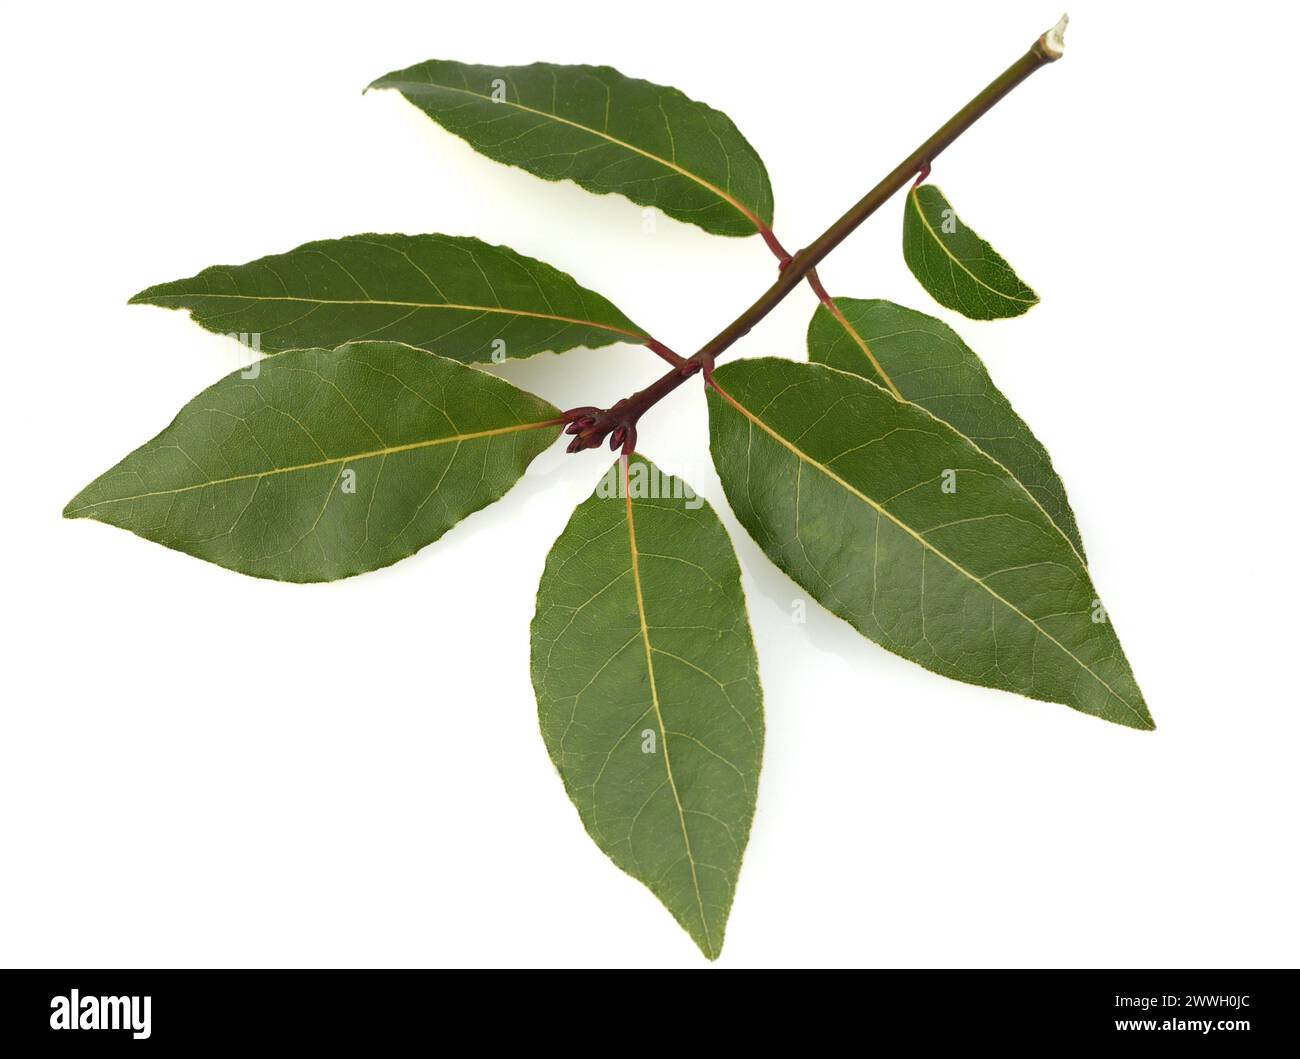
887,476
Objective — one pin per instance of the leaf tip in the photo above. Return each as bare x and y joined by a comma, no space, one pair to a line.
1141,720
82,504
710,951
392,79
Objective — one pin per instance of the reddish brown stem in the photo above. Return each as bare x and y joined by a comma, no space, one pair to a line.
774,244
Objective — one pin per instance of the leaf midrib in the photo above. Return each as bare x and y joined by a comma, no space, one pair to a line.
881,510
332,461
659,717
866,349
914,196
414,305
747,213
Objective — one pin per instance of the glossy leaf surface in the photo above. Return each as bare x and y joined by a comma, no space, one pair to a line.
905,529
602,130
325,463
957,267
454,296
647,690
927,363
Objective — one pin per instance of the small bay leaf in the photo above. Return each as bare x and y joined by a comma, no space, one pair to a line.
455,296
602,130
926,362
320,464
904,528
647,689
958,268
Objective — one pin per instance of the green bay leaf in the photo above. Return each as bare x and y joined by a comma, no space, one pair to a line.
320,464
958,268
904,528
455,296
602,130
648,691
926,362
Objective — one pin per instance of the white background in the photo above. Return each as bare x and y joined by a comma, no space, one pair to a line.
199,768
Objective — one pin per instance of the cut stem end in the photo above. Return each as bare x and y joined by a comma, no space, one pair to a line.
1054,39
